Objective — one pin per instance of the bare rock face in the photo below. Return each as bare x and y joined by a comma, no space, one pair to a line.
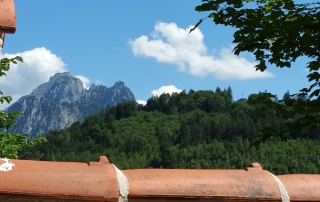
62,101
61,87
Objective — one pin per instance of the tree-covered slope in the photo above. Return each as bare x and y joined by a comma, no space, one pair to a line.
202,129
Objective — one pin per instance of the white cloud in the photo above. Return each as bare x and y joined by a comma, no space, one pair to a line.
142,102
39,64
165,89
85,81
174,45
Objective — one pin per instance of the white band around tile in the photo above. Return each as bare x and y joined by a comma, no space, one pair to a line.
123,185
282,189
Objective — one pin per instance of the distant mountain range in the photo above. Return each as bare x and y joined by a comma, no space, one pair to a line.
62,101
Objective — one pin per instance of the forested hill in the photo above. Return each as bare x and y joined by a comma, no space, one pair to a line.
202,129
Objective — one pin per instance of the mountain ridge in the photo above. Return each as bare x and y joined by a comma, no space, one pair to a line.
63,100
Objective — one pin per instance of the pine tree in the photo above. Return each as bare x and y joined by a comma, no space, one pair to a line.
229,91
286,96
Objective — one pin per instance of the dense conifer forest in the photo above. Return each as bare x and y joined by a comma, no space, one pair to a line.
203,129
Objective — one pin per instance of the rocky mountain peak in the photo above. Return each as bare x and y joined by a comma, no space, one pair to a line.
57,75
63,100
92,86
119,84
62,86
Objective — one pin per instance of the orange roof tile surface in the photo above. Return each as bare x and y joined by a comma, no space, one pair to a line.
23,180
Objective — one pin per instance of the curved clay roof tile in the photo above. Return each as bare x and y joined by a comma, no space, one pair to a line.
30,181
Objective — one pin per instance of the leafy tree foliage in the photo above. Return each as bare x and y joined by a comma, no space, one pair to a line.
199,129
277,33
11,144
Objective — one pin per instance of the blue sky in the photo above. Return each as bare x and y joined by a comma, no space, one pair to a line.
143,43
